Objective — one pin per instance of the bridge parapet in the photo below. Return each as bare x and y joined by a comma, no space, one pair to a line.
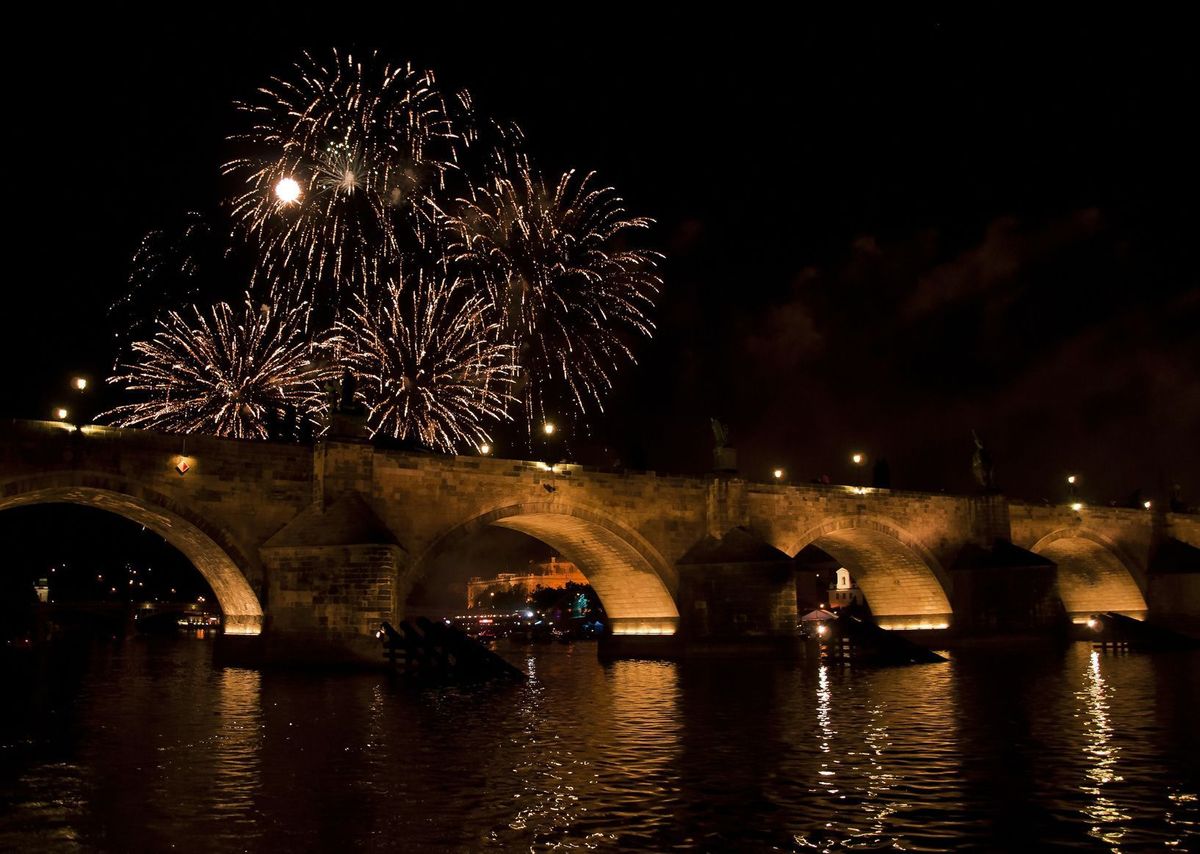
329,539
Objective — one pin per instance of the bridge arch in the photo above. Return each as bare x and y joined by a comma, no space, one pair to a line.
210,549
632,579
1093,575
904,584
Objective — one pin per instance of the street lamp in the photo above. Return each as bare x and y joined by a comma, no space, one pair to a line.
548,428
61,414
1071,479
858,458
485,449
79,383
778,474
1146,504
1076,506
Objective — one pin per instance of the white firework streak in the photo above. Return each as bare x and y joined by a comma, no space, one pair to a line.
225,374
428,360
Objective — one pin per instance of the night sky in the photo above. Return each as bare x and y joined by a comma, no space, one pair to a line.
881,234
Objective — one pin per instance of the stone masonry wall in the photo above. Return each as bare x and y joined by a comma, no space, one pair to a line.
341,591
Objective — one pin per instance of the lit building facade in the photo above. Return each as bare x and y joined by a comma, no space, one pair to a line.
553,573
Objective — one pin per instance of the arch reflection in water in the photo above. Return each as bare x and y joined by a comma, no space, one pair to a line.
237,749
1102,754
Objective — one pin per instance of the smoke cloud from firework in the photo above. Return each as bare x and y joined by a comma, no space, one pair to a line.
350,169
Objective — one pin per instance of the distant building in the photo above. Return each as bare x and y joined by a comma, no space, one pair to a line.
844,591
554,573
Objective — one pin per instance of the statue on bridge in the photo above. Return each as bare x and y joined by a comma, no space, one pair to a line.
724,456
340,396
346,416
981,465
720,434
349,388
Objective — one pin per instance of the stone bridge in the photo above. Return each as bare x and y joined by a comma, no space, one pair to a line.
322,542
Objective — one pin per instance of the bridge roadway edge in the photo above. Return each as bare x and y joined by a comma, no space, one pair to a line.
321,596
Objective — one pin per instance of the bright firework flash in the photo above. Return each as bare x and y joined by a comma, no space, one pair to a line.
429,365
227,375
337,170
567,298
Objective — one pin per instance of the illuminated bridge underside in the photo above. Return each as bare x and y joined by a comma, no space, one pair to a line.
632,592
1091,579
901,590
242,611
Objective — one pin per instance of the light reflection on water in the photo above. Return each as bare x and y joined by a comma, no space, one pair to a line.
146,746
1103,755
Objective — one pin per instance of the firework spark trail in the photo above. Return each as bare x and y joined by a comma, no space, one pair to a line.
429,364
169,266
367,143
227,375
350,168
565,297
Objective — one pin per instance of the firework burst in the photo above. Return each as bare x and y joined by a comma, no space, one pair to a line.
564,296
429,364
338,169
225,374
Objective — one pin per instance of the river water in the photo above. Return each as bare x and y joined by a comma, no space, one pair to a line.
145,746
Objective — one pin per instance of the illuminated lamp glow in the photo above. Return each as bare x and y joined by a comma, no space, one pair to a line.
1077,506
644,626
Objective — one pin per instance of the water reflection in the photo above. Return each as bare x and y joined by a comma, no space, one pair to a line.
148,750
236,750
1102,754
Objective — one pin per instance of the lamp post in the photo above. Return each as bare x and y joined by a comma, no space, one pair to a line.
859,460
552,451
